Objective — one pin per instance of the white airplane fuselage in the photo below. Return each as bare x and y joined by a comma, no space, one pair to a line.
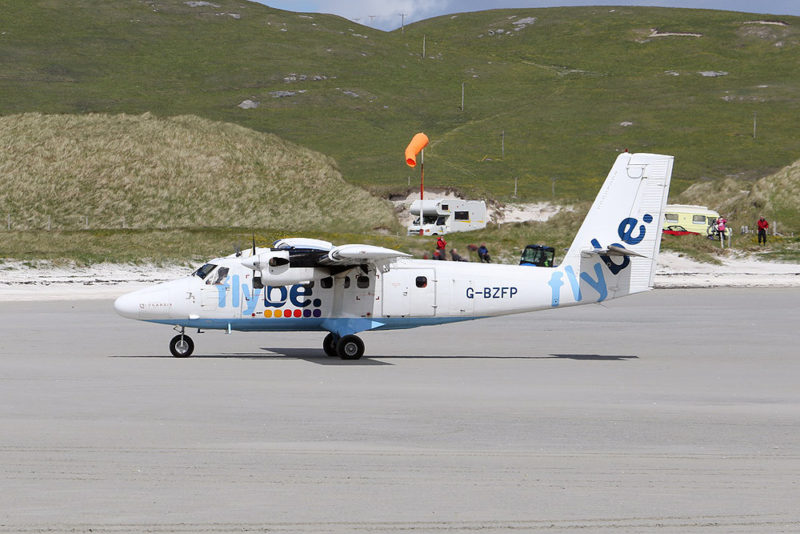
412,293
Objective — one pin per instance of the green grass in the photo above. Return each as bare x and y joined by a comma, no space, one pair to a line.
776,197
194,245
146,172
188,245
130,109
559,88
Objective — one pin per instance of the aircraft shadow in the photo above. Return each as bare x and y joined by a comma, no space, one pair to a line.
596,357
319,357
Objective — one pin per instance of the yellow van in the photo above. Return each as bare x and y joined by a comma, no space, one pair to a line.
693,218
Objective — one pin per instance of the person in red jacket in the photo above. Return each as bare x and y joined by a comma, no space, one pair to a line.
762,230
440,246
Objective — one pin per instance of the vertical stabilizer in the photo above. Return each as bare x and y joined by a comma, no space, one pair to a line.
622,231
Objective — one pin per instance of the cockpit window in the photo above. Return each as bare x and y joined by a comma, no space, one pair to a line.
203,271
218,278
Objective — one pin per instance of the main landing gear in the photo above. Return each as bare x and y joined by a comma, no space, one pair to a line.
348,347
181,346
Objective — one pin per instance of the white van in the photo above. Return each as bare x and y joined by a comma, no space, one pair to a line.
444,216
698,219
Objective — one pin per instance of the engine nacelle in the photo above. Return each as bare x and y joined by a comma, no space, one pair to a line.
274,269
287,277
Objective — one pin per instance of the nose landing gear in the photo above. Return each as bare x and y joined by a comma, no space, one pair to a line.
181,346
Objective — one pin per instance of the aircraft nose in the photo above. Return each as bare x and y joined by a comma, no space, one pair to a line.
128,305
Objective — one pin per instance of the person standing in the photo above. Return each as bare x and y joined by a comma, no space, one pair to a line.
441,244
762,230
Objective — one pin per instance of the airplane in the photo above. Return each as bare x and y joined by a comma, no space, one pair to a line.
301,284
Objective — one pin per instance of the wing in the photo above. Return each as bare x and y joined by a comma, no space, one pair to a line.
278,260
356,254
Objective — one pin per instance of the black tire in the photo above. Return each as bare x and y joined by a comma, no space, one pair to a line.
329,345
181,346
350,348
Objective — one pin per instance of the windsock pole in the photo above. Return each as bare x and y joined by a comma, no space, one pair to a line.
417,145
421,174
421,188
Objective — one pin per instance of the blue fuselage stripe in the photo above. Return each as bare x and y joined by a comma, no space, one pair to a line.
305,324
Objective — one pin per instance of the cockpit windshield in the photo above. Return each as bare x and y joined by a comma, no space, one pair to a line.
203,271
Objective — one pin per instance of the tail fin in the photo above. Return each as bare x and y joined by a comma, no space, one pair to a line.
622,230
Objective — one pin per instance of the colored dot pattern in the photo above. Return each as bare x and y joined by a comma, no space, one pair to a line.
293,313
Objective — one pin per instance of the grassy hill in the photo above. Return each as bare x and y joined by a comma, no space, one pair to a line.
776,197
569,87
148,172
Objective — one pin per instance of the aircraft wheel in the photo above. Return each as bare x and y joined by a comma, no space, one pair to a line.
181,346
350,348
329,345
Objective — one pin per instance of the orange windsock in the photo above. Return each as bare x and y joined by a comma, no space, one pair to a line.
418,142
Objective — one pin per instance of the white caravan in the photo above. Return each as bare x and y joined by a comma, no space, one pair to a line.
311,285
444,216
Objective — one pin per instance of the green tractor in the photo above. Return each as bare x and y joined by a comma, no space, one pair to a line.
538,256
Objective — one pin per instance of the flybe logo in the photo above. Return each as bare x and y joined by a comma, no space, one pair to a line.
296,298
631,233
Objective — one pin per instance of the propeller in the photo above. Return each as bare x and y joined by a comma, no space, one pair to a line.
256,280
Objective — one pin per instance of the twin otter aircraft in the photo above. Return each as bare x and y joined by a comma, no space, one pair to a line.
308,284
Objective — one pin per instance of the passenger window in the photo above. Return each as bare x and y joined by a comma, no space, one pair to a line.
326,283
346,282
462,215
699,219
671,217
362,282
422,281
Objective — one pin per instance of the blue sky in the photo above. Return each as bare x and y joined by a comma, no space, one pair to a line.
386,14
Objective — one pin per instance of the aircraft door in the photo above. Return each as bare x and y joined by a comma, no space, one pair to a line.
409,293
354,294
216,291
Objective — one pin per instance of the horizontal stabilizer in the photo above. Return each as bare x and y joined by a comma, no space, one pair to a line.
613,250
